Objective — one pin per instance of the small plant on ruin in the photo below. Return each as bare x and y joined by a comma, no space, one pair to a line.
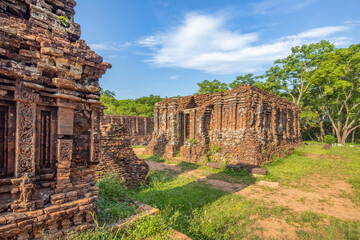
64,21
215,148
329,139
192,141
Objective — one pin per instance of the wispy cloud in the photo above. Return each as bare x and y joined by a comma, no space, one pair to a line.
202,42
149,41
269,6
318,32
174,77
109,46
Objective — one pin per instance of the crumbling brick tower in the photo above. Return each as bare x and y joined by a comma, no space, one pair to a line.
49,120
245,126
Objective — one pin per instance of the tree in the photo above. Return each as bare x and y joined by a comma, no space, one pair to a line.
143,106
211,87
291,75
338,79
107,93
244,79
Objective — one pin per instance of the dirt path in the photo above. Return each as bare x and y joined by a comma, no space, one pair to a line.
162,166
139,151
316,194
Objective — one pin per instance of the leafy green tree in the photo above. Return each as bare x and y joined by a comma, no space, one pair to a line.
291,75
338,79
107,93
143,106
244,79
211,87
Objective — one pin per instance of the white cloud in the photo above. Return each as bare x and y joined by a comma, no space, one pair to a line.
150,41
174,77
318,32
269,6
202,42
109,46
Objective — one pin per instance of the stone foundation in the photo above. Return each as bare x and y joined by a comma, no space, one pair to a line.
49,120
118,156
246,126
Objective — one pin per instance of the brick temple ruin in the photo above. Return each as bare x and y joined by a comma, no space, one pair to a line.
245,126
139,128
49,120
118,156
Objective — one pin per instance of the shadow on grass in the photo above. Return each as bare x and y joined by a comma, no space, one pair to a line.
183,195
181,201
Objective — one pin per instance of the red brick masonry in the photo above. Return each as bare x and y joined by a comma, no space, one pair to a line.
49,120
246,125
119,157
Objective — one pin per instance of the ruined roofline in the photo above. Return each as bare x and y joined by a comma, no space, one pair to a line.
266,93
238,89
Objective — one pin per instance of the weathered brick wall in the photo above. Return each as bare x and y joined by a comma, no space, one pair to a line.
118,156
49,120
245,125
139,129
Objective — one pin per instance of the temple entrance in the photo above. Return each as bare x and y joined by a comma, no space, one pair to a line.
7,131
187,126
46,140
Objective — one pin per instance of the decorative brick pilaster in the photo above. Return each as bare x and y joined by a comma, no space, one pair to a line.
25,132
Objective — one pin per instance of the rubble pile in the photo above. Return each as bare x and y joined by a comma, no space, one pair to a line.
118,156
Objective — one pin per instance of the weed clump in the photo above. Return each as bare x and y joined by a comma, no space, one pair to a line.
64,21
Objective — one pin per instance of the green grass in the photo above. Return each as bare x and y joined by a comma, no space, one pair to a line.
202,212
152,158
345,166
114,201
154,227
139,146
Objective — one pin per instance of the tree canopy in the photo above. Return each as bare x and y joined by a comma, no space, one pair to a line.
143,106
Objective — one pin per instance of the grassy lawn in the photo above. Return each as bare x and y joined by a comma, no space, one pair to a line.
139,146
196,209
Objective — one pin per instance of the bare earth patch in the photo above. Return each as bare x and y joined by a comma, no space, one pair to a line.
318,199
274,229
225,186
317,194
163,166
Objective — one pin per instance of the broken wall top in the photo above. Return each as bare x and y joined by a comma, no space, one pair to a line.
202,100
39,48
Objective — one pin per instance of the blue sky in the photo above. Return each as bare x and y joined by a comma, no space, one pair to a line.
165,47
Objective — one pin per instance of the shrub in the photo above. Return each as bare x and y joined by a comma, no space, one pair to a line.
329,139
64,21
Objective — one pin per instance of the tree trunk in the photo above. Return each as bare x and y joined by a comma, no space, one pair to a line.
308,132
322,131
